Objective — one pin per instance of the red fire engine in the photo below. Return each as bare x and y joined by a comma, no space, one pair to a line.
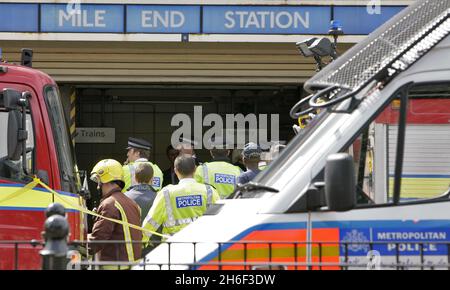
34,141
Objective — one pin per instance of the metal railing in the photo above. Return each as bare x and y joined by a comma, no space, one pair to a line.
276,255
18,249
253,255
57,253
247,255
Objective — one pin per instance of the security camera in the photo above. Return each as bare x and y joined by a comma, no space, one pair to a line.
303,47
322,47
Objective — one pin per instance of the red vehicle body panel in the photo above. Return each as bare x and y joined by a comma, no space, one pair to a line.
420,111
26,224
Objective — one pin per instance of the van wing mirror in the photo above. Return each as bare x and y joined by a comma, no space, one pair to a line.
16,103
340,182
11,99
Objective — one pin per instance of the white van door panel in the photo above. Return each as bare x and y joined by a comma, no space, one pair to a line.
237,238
397,233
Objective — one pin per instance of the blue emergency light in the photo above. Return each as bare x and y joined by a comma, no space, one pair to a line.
336,28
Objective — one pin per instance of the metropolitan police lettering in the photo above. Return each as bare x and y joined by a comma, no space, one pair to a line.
224,178
156,182
191,200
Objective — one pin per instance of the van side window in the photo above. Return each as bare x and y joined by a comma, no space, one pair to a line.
425,171
372,158
10,168
426,162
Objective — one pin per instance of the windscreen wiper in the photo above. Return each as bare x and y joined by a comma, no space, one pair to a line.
251,187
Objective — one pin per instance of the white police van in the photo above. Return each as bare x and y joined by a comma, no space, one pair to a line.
365,184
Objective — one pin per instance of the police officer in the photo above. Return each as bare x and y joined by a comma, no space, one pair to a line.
219,173
139,151
251,156
176,206
108,175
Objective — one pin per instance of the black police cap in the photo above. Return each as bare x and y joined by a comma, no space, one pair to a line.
137,143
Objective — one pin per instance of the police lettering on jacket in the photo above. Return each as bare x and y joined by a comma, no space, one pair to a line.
224,178
156,182
191,200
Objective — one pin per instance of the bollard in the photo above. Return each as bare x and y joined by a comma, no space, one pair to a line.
54,254
55,209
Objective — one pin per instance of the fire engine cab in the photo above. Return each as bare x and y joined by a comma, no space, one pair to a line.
366,182
34,141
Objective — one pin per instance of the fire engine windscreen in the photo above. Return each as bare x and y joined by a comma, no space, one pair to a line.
65,152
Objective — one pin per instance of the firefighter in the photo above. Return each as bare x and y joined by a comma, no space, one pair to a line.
251,156
219,173
176,206
108,175
139,151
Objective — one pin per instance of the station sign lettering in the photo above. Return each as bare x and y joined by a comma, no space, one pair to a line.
163,19
266,20
194,19
85,18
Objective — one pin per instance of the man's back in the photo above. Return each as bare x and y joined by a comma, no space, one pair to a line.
178,205
129,175
220,174
190,199
143,195
117,206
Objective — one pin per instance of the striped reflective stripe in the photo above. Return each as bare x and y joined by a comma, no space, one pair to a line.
132,172
209,194
73,130
208,187
171,221
180,222
126,232
154,224
169,210
205,173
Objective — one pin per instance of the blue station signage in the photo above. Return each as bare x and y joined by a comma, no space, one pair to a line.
194,19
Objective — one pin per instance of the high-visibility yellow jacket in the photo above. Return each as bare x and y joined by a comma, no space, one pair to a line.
129,176
220,174
176,206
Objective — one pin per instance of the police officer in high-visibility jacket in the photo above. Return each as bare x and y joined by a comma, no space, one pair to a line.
176,206
219,173
139,151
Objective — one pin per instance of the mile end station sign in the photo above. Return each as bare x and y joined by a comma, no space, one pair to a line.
189,19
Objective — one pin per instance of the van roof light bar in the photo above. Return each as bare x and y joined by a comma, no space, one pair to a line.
390,50
371,58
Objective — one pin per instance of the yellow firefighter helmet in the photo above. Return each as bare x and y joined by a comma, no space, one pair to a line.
106,171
